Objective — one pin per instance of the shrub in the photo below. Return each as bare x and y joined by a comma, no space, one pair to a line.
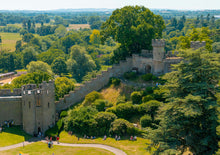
121,127
147,98
63,114
114,81
91,97
154,78
100,104
146,121
130,75
121,99
125,110
147,77
136,97
55,131
104,120
149,90
112,110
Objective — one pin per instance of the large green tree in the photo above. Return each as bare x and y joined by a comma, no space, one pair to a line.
80,63
189,118
134,27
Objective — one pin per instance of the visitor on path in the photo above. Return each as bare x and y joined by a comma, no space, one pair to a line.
131,138
119,138
58,138
116,137
0,129
135,137
104,138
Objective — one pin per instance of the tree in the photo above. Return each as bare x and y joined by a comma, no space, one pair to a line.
133,27
39,66
27,37
60,31
18,45
104,120
80,63
59,66
189,118
63,86
30,78
95,37
50,55
29,55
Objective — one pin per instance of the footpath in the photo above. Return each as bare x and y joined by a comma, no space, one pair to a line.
101,146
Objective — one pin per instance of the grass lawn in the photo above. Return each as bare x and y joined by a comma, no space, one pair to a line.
40,148
13,135
9,40
130,147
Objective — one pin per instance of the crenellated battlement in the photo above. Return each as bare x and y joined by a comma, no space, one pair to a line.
197,44
158,42
32,89
9,92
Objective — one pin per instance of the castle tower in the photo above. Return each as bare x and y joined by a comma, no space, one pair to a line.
158,55
38,107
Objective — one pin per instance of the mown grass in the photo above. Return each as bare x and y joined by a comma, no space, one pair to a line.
12,135
40,148
130,147
9,40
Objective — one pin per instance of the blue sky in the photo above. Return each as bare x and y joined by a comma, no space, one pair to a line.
62,4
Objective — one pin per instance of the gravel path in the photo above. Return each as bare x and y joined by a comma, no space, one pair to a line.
101,146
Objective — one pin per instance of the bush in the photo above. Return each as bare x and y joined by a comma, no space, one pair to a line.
121,127
149,90
125,110
130,75
146,121
100,104
136,97
114,81
63,114
104,120
91,97
154,78
147,77
55,131
147,98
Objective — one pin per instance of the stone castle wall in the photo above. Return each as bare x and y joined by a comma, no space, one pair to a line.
11,109
9,92
95,84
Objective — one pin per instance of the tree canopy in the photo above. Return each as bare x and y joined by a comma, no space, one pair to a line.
134,27
189,118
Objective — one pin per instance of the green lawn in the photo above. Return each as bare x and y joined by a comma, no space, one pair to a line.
40,148
130,147
13,135
9,40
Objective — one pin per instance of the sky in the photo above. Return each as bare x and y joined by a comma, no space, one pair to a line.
72,4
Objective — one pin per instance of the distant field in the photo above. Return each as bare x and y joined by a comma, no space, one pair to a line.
78,26
36,24
9,40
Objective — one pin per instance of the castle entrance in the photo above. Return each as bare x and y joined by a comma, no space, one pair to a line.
147,69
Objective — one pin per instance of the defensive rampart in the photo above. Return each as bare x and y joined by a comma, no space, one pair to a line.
11,109
95,84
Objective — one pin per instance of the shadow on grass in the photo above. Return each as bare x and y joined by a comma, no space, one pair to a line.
17,130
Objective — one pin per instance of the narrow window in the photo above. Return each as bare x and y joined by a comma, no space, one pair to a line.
48,105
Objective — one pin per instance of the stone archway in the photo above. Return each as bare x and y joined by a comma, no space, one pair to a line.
147,69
